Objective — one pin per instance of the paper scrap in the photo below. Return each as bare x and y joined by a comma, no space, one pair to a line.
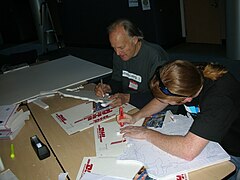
8,175
62,176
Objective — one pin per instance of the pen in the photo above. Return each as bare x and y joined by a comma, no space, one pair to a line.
12,155
101,83
121,116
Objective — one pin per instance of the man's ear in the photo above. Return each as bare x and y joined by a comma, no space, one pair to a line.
135,39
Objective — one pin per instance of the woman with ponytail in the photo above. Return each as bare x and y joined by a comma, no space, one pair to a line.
210,93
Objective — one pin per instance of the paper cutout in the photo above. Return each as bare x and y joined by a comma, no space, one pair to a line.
88,95
82,94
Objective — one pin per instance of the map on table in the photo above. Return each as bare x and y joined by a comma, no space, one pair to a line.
161,164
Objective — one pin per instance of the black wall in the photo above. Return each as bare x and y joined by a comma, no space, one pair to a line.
84,22
16,22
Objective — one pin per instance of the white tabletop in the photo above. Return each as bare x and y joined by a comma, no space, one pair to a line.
23,84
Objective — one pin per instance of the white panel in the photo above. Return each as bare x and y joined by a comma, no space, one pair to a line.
26,83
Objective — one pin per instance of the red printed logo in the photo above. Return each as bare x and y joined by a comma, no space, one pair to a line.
101,133
97,117
181,177
61,118
88,167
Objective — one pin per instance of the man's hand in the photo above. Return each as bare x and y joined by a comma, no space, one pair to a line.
102,89
119,99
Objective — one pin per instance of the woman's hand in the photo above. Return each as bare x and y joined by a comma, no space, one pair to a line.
136,132
128,119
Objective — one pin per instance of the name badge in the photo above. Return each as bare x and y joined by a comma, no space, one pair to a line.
133,85
192,109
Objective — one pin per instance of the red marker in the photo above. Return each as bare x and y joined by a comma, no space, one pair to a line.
121,116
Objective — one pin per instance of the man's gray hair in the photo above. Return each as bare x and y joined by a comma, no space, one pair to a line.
128,26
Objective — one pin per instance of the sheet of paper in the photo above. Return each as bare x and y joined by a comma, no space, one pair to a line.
163,165
71,120
145,5
176,125
92,176
132,3
109,167
62,176
108,140
8,175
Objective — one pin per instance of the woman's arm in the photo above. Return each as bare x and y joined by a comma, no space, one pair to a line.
186,147
151,108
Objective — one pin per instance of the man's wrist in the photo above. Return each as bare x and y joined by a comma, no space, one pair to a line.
128,96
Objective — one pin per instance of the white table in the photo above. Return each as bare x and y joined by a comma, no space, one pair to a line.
23,84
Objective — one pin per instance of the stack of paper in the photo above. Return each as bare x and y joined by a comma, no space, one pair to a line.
11,121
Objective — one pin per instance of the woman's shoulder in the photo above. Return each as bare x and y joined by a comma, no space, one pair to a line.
227,85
